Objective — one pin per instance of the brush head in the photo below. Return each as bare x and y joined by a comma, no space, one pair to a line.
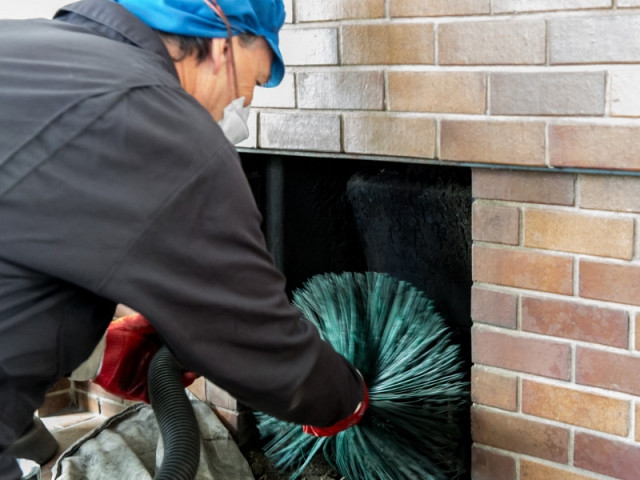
417,383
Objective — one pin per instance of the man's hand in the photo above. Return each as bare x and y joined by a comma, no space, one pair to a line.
131,343
348,422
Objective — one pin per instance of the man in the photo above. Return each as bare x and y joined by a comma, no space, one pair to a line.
118,186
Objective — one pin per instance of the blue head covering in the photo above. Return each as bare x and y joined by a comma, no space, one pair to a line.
195,18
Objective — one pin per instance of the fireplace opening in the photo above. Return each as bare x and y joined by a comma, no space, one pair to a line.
411,221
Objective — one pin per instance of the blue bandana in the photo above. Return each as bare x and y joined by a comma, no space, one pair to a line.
195,18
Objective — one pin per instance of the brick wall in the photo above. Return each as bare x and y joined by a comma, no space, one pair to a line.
556,295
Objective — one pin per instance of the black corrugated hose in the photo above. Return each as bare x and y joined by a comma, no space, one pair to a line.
176,419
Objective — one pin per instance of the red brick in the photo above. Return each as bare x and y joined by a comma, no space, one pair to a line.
530,470
594,146
612,371
488,465
610,282
619,460
532,187
576,321
490,306
516,434
493,389
495,223
575,407
523,269
610,192
579,233
521,354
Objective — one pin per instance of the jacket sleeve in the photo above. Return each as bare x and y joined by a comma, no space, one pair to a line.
198,269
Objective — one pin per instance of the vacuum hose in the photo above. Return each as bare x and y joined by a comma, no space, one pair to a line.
176,419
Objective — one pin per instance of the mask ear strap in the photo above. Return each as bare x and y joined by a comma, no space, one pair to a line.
231,64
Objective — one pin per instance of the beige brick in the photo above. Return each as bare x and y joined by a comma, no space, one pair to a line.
515,42
445,92
610,192
313,46
288,8
314,11
530,187
388,44
516,6
594,146
530,470
575,407
523,269
494,389
579,233
282,96
387,135
628,3
341,90
594,39
625,93
291,131
558,93
495,223
516,434
434,8
502,142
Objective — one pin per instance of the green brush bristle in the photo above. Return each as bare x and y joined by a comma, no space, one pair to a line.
389,330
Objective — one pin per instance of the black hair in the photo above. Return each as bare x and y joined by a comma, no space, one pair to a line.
198,45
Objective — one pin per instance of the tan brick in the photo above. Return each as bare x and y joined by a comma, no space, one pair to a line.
516,434
363,90
575,407
493,389
573,320
530,187
388,44
434,8
489,465
594,39
579,233
619,460
54,403
310,46
530,470
637,415
594,146
448,92
625,93
604,369
610,282
493,307
315,132
516,42
556,93
523,269
314,11
220,398
387,135
521,353
495,223
637,328
516,6
494,142
610,192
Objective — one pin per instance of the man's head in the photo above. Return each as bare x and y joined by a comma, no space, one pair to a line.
196,32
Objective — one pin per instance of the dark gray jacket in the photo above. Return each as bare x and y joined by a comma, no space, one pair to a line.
116,186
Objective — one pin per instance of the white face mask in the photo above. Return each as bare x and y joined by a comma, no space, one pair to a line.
234,121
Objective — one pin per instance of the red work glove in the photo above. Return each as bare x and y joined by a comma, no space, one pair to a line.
348,422
131,344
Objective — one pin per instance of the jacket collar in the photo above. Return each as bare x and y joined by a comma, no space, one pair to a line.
114,21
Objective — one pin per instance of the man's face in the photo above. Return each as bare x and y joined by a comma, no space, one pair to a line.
215,88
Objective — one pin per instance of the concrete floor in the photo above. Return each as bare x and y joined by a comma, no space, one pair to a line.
67,427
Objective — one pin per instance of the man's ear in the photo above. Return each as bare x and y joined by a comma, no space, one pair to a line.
218,53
